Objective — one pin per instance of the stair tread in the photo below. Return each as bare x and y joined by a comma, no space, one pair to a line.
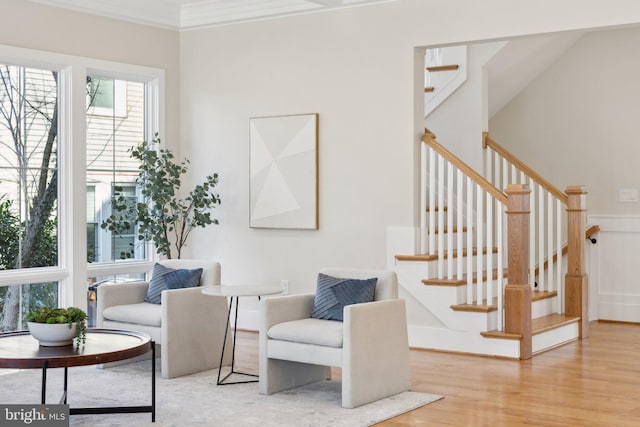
463,280
540,295
477,308
551,321
538,326
437,68
434,256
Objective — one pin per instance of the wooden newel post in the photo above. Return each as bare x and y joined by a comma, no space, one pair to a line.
517,294
576,301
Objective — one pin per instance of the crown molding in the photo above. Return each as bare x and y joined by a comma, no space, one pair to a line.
157,13
194,14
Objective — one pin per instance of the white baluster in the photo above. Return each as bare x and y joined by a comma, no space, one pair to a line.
489,249
559,298
541,217
470,228
498,171
423,198
440,217
432,201
505,174
479,244
500,287
532,232
449,226
550,249
459,224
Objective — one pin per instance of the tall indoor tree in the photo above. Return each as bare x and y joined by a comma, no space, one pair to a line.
163,217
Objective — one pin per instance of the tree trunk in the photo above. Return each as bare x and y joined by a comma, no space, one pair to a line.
11,309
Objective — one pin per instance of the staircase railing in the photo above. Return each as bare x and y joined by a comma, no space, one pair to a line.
548,205
458,200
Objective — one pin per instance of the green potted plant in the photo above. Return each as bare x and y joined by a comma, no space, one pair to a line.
162,218
57,326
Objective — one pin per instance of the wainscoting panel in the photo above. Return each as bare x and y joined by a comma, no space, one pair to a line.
614,269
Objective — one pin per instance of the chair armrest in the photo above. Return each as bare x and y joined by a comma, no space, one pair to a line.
376,347
189,306
119,294
376,325
284,309
193,331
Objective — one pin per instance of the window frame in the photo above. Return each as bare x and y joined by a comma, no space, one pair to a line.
73,269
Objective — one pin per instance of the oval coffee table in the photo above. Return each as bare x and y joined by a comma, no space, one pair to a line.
20,350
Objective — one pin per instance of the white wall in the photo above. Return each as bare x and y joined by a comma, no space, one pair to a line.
356,68
577,123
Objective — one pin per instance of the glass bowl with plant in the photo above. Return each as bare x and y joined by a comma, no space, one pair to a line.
58,326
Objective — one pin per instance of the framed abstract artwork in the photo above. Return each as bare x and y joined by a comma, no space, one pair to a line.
284,172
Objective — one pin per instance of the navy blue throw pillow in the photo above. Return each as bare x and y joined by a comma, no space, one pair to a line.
163,278
333,293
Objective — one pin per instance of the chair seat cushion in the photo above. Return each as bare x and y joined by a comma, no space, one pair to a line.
326,333
334,293
142,313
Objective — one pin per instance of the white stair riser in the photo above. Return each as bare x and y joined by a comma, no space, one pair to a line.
430,268
474,321
554,337
461,341
543,307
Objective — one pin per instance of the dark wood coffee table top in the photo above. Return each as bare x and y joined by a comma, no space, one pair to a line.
21,351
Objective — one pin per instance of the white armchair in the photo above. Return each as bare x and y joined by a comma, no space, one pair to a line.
189,326
370,345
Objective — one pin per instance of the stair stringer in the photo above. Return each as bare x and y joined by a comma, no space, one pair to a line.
439,299
450,330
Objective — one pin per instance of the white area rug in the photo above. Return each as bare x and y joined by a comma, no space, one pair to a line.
195,400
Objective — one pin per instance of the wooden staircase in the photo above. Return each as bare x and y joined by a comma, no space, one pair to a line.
518,318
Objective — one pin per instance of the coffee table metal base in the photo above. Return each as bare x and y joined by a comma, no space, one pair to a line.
106,409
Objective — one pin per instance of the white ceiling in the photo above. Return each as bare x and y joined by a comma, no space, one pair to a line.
192,14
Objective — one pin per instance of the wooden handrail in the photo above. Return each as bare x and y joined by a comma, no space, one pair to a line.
487,141
430,139
587,234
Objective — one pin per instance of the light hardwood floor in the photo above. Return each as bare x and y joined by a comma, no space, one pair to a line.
594,382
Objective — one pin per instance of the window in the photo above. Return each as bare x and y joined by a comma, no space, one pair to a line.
110,169
28,185
28,166
52,245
